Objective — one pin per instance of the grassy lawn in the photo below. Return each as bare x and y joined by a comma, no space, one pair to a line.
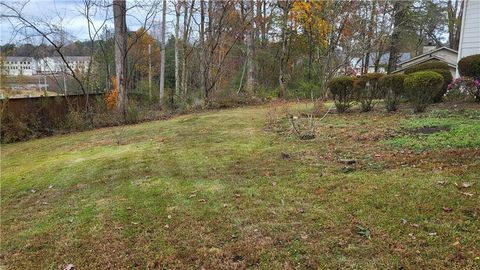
214,190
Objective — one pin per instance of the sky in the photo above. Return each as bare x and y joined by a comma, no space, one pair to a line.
64,13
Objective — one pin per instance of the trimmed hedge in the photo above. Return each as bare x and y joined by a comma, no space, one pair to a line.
367,90
392,90
421,87
470,66
447,79
427,66
342,92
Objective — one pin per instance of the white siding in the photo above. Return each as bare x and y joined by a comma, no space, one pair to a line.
470,34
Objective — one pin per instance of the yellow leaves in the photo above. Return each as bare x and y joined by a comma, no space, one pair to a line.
307,15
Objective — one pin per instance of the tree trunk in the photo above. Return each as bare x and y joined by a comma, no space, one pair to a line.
162,55
454,23
282,80
177,47
250,40
399,9
187,18
263,27
184,48
371,27
258,19
202,46
120,24
150,71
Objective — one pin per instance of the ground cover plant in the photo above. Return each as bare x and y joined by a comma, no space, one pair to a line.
230,189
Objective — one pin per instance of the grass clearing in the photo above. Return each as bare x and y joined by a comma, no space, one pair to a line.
213,190
440,130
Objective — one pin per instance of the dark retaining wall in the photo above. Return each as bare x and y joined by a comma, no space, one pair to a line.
56,107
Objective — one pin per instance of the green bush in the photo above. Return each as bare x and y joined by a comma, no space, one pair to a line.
76,120
470,66
427,66
367,89
447,79
305,90
342,92
392,90
421,87
133,113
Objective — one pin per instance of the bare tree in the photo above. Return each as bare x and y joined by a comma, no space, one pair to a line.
162,54
221,39
178,8
202,46
187,18
284,54
120,24
250,40
399,18
455,12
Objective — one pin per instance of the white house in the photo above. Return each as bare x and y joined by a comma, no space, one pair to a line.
442,54
470,33
357,63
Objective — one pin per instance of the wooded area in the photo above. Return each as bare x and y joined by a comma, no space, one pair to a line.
196,52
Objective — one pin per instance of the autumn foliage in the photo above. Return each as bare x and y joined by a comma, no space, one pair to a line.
111,99
307,15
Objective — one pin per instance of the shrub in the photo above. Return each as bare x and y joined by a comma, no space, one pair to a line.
367,90
427,66
305,90
392,90
76,120
133,113
342,92
470,66
464,88
421,87
447,79
15,128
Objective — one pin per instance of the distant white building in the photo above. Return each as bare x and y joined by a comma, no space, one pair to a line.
15,66
470,33
49,65
28,66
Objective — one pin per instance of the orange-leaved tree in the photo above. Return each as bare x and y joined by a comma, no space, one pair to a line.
111,99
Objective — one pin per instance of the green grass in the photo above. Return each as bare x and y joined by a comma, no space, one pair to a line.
461,131
213,190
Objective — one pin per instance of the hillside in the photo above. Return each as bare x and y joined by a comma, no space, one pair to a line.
224,190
